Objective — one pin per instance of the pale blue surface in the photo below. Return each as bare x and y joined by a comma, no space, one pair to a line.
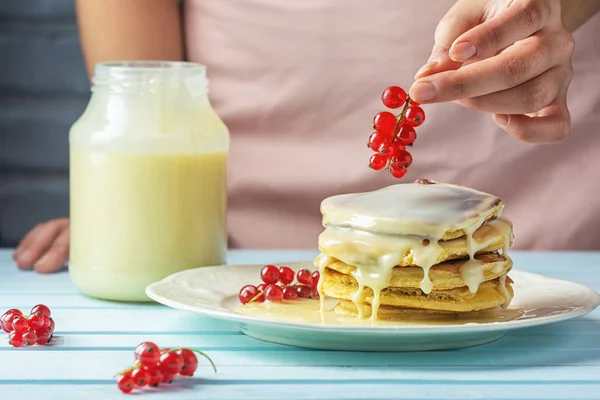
95,339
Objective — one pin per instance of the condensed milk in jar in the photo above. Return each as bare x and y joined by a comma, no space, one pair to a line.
148,179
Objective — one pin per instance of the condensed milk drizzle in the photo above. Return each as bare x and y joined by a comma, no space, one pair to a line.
376,231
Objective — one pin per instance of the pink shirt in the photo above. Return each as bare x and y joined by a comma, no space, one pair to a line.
298,83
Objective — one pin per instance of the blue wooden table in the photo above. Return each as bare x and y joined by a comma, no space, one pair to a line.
95,339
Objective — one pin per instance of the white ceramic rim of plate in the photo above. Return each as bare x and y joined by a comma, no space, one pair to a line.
235,317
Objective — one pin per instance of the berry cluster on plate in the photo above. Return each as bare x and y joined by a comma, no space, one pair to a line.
154,366
28,330
394,133
278,285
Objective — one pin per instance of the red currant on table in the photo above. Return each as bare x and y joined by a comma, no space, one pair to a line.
140,376
286,275
190,362
147,353
43,336
304,277
269,274
29,338
42,309
170,363
414,116
126,383
19,324
7,319
273,293
393,97
16,339
36,321
51,326
385,122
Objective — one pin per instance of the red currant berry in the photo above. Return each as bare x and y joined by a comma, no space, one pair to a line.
315,279
378,162
414,116
41,308
126,383
168,378
261,289
398,151
51,326
397,171
303,276
413,103
155,374
289,293
273,293
406,135
377,139
269,274
387,150
36,321
170,363
385,123
247,293
304,291
393,97
15,339
403,159
190,362
29,338
19,324
147,353
43,336
286,275
140,376
7,319
315,294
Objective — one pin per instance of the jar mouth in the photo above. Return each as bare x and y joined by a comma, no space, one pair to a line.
123,76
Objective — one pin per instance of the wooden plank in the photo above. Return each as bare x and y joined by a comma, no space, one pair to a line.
358,390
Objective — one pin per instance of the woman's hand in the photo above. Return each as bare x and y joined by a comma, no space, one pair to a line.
45,248
508,57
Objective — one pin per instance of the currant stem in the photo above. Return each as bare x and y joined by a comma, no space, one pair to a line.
207,357
256,297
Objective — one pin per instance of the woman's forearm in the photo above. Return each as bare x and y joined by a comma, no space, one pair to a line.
129,30
576,12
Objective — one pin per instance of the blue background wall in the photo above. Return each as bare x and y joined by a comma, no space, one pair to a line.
43,90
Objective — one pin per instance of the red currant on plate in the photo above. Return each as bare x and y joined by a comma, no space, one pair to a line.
289,293
304,291
269,274
286,275
304,277
393,97
315,278
414,116
273,293
385,122
247,293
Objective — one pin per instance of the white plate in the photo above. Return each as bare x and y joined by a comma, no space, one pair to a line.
213,292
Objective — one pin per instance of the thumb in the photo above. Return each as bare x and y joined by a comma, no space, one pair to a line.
463,16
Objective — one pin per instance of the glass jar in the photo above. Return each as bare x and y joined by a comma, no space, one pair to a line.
148,179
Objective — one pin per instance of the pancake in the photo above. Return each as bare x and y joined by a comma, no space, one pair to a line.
489,295
446,275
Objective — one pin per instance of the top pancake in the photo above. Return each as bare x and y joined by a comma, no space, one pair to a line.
432,210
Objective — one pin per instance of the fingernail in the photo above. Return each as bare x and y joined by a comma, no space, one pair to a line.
427,67
423,91
462,51
501,119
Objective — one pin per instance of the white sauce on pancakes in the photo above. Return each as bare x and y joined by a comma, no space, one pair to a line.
374,231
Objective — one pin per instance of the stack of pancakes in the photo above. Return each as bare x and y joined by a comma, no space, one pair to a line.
420,248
